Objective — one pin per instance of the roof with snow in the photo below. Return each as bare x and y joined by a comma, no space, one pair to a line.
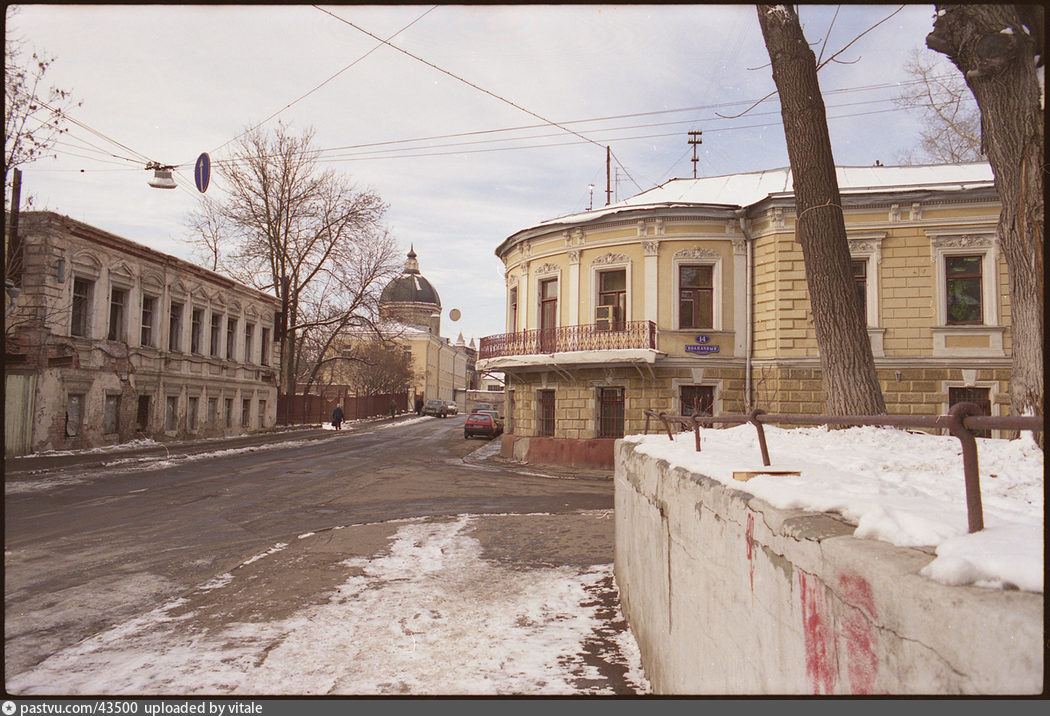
736,191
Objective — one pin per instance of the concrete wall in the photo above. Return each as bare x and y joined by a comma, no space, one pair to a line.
727,595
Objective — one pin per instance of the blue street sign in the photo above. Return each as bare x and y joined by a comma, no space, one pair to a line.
202,172
693,348
703,339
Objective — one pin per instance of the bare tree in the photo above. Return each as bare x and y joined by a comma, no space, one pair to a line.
35,115
851,385
951,129
307,235
378,367
998,48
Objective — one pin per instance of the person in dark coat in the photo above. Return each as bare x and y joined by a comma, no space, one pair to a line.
419,404
337,417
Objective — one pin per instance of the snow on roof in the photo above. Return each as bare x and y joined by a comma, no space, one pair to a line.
740,190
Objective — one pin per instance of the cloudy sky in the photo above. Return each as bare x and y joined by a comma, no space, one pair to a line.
498,122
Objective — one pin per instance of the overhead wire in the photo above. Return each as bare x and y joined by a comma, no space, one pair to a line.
457,77
296,101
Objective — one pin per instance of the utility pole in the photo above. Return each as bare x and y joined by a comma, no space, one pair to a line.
608,179
695,139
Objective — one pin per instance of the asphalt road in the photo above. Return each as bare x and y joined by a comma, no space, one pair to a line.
92,540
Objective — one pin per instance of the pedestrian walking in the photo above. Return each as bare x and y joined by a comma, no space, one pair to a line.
337,418
393,409
419,404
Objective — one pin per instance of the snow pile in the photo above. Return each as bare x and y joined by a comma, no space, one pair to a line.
429,618
897,486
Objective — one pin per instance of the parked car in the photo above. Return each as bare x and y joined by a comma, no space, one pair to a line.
482,406
484,424
453,408
437,408
495,416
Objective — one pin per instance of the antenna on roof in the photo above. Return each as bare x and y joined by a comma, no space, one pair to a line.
695,139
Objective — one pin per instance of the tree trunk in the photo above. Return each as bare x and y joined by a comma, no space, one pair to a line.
851,385
994,46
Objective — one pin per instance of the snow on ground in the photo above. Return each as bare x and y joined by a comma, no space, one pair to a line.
431,617
897,486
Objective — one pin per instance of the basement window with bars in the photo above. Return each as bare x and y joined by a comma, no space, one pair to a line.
977,396
610,412
545,418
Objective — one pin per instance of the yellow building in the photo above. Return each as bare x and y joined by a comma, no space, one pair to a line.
410,315
693,296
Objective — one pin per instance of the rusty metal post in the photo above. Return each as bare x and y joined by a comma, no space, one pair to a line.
667,425
956,415
752,418
647,416
696,431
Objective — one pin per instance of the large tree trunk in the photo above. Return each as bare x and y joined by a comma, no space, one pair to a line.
851,385
994,46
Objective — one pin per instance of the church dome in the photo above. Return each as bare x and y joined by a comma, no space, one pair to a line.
410,286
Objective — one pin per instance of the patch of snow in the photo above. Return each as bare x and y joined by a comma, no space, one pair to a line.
432,617
901,487
273,550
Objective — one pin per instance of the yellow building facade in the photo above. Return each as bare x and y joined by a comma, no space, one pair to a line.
693,296
410,316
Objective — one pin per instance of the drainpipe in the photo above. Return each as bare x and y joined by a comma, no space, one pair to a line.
748,291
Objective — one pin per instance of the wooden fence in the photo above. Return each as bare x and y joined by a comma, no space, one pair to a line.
315,408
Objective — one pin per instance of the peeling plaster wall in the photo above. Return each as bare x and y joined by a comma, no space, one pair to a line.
727,595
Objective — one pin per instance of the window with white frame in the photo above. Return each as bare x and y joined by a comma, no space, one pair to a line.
966,296
965,269
865,256
697,289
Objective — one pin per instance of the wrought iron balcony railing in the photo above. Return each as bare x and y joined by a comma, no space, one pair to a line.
634,334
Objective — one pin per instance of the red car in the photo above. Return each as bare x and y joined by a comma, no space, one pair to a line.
481,424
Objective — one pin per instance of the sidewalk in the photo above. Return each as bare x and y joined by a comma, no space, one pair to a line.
97,457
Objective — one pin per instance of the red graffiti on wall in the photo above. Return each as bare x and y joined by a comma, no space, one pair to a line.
749,537
862,661
821,665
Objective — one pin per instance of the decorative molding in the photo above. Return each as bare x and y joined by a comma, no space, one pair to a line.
546,268
651,247
611,258
778,217
866,246
697,252
641,228
916,212
122,270
153,279
895,214
963,241
574,257
739,247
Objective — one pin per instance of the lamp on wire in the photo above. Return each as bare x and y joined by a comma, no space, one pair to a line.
162,178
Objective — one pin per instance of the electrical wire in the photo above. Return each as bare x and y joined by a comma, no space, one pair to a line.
457,77
296,101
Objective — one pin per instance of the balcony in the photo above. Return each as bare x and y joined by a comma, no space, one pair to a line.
633,342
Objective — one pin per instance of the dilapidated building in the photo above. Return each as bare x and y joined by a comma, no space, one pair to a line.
109,340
